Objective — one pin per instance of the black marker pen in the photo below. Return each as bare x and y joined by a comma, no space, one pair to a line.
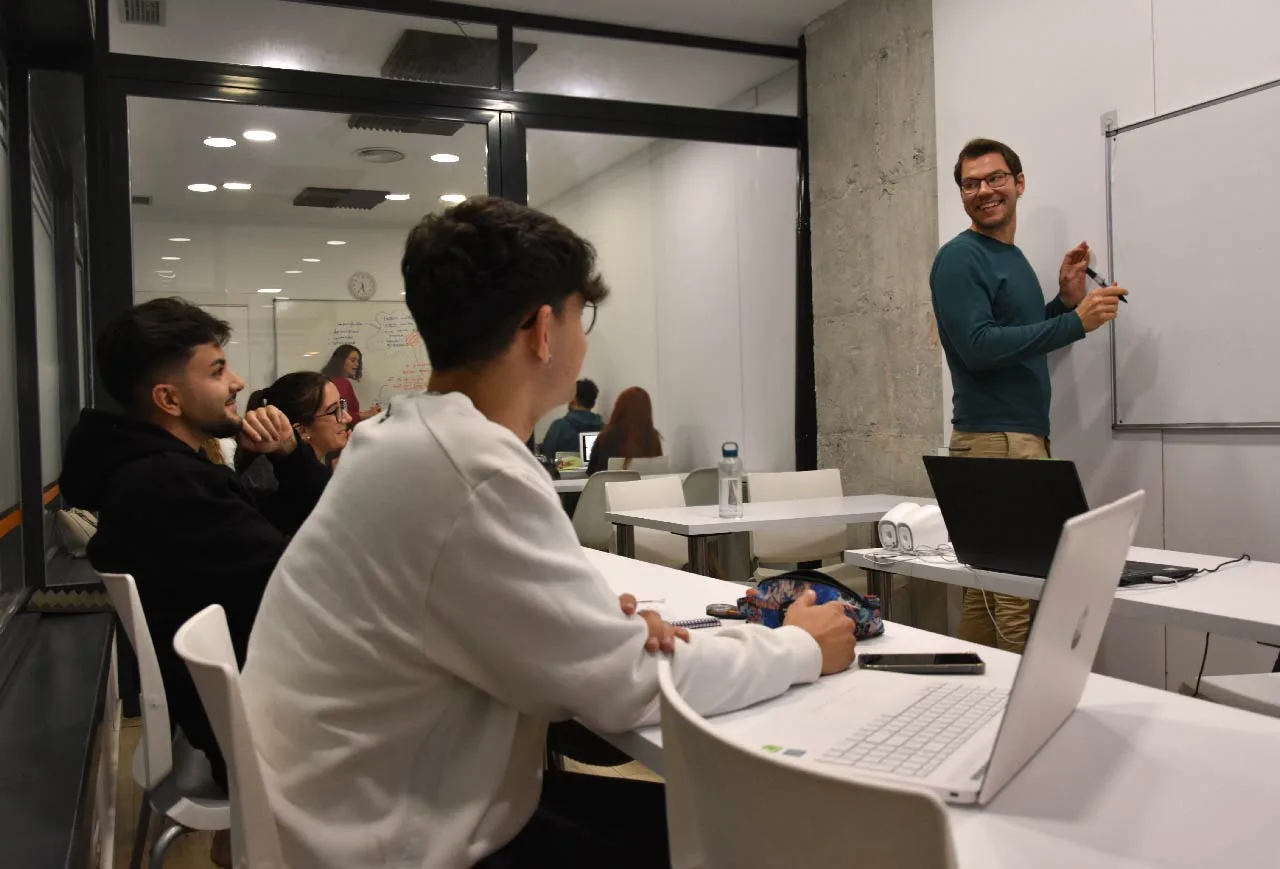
1101,281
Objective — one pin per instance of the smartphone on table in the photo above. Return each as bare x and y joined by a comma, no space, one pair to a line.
943,664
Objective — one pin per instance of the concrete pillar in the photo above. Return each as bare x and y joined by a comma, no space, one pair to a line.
872,162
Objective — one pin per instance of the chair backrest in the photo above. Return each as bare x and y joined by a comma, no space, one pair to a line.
588,517
817,543
717,792
157,738
655,465
205,644
656,547
702,487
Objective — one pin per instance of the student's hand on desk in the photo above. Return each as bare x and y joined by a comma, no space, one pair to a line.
267,430
662,636
830,625
1100,306
1071,275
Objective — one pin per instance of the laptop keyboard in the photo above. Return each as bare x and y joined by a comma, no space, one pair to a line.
916,740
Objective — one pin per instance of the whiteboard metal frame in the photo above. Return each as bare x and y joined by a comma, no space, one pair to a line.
1110,130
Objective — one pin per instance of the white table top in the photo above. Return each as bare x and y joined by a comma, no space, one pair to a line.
762,515
1135,778
576,484
1240,600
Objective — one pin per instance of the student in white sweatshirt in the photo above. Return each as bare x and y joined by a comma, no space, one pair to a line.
436,610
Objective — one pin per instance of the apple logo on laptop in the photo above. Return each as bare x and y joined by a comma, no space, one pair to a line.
1075,638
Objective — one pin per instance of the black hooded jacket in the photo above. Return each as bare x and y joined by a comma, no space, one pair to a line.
189,531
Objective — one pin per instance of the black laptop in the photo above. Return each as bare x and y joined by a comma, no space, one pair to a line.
1005,515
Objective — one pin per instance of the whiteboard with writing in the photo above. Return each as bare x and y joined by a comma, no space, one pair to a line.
395,360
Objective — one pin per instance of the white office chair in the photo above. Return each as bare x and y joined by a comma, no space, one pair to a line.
205,644
656,547
655,465
1256,692
781,550
588,517
174,777
723,807
702,487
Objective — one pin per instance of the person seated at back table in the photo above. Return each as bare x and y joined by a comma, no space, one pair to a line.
630,433
410,730
189,530
562,436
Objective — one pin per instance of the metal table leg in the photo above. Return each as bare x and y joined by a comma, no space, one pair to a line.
700,555
626,540
880,584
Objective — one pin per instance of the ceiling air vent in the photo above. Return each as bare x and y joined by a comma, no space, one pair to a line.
141,200
339,197
142,12
445,58
392,124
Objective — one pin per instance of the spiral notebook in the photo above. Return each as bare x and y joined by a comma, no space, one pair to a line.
694,624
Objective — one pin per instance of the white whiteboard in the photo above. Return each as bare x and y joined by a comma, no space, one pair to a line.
395,360
1196,240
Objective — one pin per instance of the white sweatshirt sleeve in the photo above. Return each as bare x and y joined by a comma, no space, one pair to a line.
514,607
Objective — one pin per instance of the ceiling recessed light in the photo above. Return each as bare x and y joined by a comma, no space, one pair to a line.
220,142
166,274
237,185
310,259
276,290
172,259
397,197
312,353
202,188
294,272
380,155
179,238
453,198
260,135
336,243
444,158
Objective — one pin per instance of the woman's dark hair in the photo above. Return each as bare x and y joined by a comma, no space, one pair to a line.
975,148
630,430
475,274
336,366
139,346
299,396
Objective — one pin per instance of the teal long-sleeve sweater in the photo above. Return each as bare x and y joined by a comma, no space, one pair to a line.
996,329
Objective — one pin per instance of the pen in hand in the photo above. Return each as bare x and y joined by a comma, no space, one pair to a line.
1101,281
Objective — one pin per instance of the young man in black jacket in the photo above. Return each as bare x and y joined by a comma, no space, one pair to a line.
187,529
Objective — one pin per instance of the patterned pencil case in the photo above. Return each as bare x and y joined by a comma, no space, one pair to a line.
767,603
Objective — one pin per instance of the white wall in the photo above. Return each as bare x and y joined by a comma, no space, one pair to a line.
227,265
697,243
1039,75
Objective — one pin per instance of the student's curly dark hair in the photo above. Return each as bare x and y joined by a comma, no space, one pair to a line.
474,274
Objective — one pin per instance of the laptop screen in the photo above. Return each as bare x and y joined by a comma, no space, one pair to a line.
586,441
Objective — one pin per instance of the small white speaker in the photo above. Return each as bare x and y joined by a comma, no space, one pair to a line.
922,528
889,523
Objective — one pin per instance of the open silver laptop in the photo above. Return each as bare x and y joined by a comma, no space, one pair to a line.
965,737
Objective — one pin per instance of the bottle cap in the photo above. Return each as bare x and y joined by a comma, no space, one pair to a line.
729,449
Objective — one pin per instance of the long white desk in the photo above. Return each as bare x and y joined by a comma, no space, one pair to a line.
1240,600
699,524
564,487
1137,777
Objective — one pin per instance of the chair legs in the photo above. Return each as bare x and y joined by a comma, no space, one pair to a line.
161,847
140,835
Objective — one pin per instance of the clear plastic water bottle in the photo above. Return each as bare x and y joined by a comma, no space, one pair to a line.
730,482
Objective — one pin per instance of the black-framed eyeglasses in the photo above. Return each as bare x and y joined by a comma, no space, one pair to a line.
971,186
588,318
337,411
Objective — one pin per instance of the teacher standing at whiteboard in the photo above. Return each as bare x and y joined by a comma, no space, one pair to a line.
344,367
996,330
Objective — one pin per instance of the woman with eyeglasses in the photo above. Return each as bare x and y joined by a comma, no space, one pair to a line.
344,368
319,417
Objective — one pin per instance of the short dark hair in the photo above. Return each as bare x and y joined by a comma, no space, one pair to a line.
149,340
474,274
976,148
337,364
587,393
